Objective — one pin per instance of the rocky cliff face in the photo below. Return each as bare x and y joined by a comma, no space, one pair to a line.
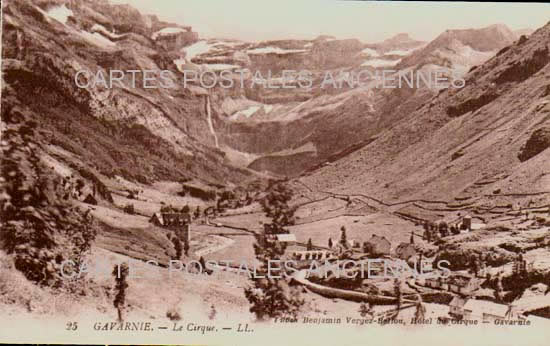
45,44
318,126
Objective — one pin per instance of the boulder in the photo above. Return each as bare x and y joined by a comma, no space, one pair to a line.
537,143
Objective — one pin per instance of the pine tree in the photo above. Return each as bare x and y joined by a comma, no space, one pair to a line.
197,213
343,237
273,296
499,289
474,266
330,243
120,272
412,237
213,312
177,246
309,245
202,263
185,209
420,311
398,294
186,247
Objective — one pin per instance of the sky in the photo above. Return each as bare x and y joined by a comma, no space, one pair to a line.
369,21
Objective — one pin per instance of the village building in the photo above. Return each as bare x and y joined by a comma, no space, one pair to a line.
463,308
352,243
289,238
467,222
303,259
405,251
377,246
463,284
170,220
437,283
456,307
312,255
180,223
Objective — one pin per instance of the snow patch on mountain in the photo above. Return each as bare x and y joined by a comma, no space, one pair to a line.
197,49
60,13
370,52
100,28
248,112
380,63
399,52
221,67
276,50
97,39
167,31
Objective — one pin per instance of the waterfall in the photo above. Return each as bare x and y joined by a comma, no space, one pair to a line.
209,119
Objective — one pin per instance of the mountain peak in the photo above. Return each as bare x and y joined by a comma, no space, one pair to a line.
399,39
485,39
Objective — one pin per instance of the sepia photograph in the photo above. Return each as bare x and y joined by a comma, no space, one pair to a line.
274,172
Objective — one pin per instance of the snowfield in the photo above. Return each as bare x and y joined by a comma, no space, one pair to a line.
221,67
246,112
399,52
60,13
100,28
197,49
97,39
370,52
380,63
276,50
166,31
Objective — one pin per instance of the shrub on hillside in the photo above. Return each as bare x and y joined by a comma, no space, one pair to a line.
129,209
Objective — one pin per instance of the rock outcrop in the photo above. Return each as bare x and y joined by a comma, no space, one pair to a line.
536,144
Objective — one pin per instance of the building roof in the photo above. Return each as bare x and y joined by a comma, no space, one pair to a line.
286,237
457,301
90,199
460,280
164,218
158,216
480,307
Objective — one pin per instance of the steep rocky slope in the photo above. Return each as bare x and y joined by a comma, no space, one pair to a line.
461,49
486,141
141,134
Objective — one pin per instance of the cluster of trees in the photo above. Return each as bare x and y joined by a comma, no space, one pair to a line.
343,239
435,231
39,228
186,209
177,246
273,296
181,246
171,209
230,200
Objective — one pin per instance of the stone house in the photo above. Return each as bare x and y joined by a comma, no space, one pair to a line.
463,284
487,311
